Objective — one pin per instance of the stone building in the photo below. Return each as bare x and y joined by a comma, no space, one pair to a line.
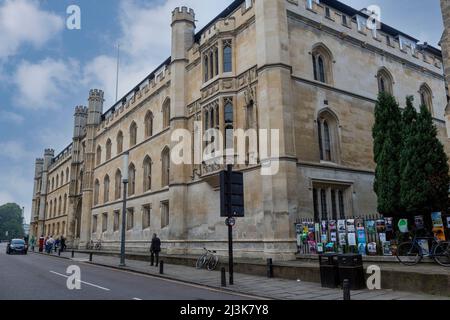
310,70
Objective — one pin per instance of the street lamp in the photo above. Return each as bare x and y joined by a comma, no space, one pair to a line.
124,209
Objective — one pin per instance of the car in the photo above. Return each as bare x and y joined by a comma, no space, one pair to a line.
17,246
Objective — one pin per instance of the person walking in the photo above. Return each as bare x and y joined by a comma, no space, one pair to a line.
63,243
155,249
32,243
41,243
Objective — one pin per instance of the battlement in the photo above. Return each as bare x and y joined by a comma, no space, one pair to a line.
81,110
96,94
49,152
39,161
183,14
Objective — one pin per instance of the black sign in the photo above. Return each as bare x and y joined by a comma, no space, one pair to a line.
232,194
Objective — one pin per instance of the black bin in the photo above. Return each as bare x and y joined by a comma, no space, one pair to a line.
351,268
329,271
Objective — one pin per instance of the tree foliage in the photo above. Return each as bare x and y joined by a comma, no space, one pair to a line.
11,221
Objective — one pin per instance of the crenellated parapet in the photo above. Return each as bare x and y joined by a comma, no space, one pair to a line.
183,14
96,95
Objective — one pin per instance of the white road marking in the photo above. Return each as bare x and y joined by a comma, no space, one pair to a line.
84,282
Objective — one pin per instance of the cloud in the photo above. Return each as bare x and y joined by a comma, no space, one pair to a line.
45,84
11,117
22,22
14,150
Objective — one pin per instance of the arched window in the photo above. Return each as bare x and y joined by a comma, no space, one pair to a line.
322,61
327,127
133,134
54,207
60,206
131,180
385,81
165,174
65,203
166,113
106,189
99,155
118,185
149,124
49,209
426,97
216,61
206,68
229,127
211,65
147,173
108,149
119,142
96,191
67,175
206,120
227,57
53,183
62,177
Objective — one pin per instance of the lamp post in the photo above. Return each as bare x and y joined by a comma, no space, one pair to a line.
124,209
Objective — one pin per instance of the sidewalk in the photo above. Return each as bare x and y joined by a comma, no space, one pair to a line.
275,288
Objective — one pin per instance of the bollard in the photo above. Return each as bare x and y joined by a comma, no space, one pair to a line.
59,252
90,257
73,253
223,277
161,267
269,268
346,287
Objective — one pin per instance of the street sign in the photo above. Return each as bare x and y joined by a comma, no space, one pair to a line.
231,222
235,185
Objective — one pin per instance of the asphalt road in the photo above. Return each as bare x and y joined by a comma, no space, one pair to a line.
39,277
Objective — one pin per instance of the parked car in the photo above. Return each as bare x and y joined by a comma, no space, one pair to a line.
17,246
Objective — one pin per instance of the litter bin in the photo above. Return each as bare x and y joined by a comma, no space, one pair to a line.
351,268
329,271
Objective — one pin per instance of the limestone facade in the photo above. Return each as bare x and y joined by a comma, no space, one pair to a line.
311,71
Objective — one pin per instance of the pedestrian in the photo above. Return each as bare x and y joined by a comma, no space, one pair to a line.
63,243
32,243
155,249
41,243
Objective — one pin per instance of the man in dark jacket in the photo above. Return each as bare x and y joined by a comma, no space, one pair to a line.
155,249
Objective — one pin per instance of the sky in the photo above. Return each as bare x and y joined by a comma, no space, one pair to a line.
47,69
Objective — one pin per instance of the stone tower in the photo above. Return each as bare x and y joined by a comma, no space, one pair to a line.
49,154
38,167
183,31
79,130
95,110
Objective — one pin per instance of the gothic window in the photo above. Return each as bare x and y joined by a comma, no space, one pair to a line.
116,221
65,203
211,65
166,114
206,120
165,174
54,207
216,61
206,68
49,209
327,127
426,97
147,174
104,222
57,180
149,124
108,149
67,175
329,196
94,224
106,189
322,61
227,57
96,191
146,214
131,180
119,142
229,126
164,214
323,201
99,155
59,205
250,116
118,185
130,219
133,134
62,177
53,183
385,81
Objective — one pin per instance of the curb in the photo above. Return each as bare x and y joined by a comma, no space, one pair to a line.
222,289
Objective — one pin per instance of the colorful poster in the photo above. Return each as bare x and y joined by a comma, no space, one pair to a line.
372,248
342,239
341,226
333,236
403,225
312,247
389,224
436,218
362,249
448,222
359,224
351,225
387,251
362,236
382,237
352,239
332,225
381,226
418,221
324,227
324,238
320,248
370,225
423,244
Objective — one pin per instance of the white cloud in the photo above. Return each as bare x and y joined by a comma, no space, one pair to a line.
11,117
45,84
22,22
14,150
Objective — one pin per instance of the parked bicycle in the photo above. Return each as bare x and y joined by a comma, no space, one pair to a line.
411,253
208,259
94,246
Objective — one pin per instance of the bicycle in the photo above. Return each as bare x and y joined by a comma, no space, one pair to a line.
207,259
411,253
98,245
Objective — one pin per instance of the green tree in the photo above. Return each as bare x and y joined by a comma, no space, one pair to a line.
11,221
387,146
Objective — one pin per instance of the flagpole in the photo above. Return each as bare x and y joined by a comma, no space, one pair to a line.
117,69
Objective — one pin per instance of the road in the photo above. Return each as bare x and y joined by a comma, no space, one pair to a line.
40,277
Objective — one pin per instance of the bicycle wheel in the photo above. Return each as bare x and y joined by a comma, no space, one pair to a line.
201,261
409,254
212,263
442,254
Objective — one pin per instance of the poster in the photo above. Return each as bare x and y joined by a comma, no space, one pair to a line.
333,236
370,225
352,239
342,239
382,237
438,225
372,248
403,225
362,236
341,226
324,238
324,227
359,224
362,249
389,222
381,226
448,222
332,225
423,244
351,225
387,251
418,221
312,247
320,248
